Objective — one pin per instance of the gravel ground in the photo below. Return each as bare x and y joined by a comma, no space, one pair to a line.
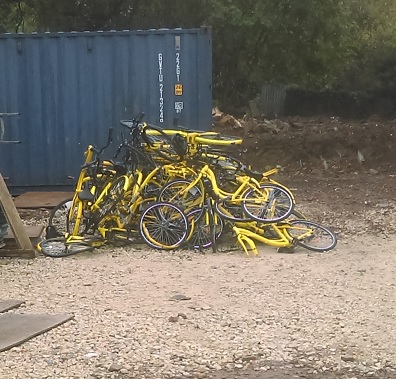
149,314
145,314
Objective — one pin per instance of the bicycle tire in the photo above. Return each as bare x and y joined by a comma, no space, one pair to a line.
316,234
212,225
57,221
76,221
110,200
268,230
58,247
172,192
231,211
163,226
270,203
294,215
200,235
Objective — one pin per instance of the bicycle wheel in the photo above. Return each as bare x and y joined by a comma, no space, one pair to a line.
163,226
231,210
175,192
219,139
268,230
200,236
57,222
269,203
109,200
77,222
212,218
312,235
58,247
294,215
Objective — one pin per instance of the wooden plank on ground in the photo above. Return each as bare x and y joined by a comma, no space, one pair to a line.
32,200
18,328
6,305
17,253
32,231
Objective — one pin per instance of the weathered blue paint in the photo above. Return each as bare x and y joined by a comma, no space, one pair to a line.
70,88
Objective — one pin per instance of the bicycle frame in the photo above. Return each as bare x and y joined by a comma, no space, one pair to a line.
139,181
90,206
284,239
245,182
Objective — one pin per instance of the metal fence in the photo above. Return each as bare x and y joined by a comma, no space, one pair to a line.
272,99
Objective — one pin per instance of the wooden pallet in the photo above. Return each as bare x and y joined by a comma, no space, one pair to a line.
34,233
24,248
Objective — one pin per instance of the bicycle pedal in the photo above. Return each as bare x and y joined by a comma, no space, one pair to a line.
50,232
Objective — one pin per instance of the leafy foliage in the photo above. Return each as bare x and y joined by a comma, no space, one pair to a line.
347,44
14,16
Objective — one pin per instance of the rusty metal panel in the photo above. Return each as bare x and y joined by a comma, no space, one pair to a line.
70,88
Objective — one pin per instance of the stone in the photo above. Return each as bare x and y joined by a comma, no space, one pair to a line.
115,367
179,297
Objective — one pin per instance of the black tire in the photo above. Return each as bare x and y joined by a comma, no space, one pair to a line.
57,222
231,211
270,203
294,215
317,237
212,225
112,198
77,206
201,236
58,248
163,226
188,202
270,233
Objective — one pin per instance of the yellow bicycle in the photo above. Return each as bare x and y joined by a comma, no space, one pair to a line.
174,144
307,234
249,199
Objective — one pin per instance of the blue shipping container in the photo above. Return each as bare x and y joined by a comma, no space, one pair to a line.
70,88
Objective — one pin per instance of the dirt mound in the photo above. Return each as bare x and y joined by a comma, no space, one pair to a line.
326,144
342,173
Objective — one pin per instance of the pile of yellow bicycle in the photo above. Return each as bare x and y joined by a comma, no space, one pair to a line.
177,189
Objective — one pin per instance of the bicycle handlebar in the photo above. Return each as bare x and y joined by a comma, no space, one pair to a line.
109,141
97,151
110,137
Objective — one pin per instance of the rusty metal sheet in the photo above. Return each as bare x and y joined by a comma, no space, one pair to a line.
34,200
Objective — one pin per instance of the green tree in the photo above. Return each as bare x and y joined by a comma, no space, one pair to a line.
302,42
309,43
15,16
373,65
